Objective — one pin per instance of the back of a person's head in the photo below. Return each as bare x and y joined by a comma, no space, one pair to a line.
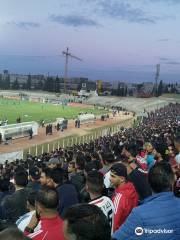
12,234
32,197
57,175
4,185
94,181
21,178
80,162
46,171
90,166
131,148
161,177
108,157
47,197
177,138
86,222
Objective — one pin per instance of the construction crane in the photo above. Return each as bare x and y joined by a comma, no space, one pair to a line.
67,55
156,79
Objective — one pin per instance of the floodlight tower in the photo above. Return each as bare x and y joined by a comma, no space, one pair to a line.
67,55
156,79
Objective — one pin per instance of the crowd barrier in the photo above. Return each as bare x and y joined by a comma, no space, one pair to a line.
71,140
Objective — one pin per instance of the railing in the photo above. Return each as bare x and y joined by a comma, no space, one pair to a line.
75,139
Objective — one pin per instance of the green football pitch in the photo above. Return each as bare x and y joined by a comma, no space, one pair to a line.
32,111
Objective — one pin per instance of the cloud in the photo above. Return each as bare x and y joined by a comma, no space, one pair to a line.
25,25
123,11
164,59
173,63
164,40
165,1
73,20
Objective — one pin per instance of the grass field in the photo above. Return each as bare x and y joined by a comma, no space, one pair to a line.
32,111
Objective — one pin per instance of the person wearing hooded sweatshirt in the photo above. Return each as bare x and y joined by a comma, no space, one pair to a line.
125,197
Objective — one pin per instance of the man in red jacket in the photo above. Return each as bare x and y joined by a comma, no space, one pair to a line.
51,225
125,197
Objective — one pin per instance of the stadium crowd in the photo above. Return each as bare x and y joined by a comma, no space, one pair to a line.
121,186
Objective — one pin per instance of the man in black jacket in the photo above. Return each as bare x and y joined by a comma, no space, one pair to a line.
14,206
67,193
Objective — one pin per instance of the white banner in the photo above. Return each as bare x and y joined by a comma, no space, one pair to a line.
11,156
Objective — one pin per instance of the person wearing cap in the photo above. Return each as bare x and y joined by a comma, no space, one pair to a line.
125,197
54,163
34,176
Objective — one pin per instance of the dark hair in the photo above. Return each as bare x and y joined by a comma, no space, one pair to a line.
80,162
90,166
13,233
161,177
95,182
31,197
87,222
48,197
21,178
47,172
177,138
131,148
108,157
57,175
4,184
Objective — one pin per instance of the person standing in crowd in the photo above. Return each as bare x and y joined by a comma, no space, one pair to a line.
54,162
13,233
95,186
30,133
45,176
14,206
86,222
131,152
125,197
108,161
150,157
24,220
161,211
139,180
0,138
78,179
34,176
66,191
177,146
51,225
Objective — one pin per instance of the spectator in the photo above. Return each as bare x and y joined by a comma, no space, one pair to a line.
79,179
125,197
160,211
54,163
177,146
45,176
86,222
14,206
12,234
66,191
139,180
24,220
47,217
4,188
94,186
108,160
34,176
